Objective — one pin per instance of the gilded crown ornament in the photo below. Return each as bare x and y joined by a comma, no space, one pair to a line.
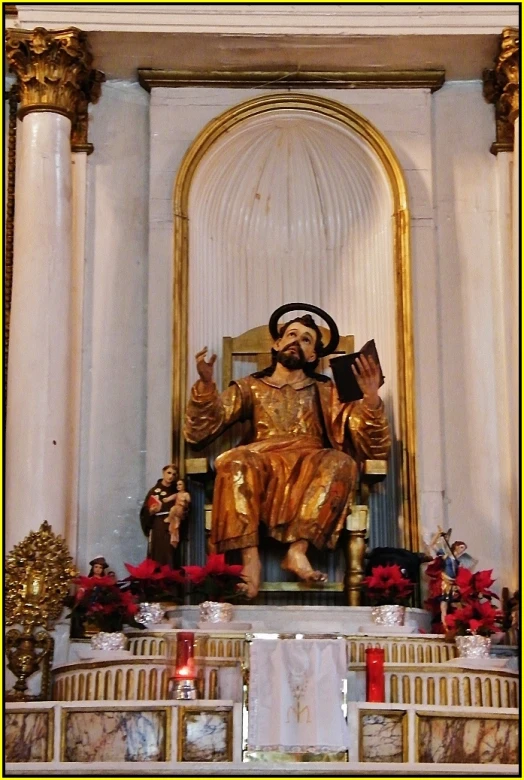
54,70
501,87
38,573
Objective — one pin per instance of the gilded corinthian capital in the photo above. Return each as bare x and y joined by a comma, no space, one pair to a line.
501,87
54,70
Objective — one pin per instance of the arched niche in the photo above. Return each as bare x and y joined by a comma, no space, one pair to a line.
296,197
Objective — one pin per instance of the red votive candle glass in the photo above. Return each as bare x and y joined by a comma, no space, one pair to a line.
185,662
375,678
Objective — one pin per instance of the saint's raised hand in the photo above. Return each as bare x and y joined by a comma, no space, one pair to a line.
205,368
367,374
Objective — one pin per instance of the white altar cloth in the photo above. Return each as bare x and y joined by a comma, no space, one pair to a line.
295,695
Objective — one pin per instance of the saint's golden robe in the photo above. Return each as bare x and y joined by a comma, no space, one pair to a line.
297,475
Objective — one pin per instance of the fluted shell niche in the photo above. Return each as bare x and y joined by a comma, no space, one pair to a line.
292,205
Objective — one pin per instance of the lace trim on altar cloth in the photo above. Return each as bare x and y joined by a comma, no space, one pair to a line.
299,748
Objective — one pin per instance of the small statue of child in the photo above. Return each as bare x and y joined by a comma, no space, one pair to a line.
178,512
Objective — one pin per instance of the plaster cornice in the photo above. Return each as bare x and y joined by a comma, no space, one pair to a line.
329,19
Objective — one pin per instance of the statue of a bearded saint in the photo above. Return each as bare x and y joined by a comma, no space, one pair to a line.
299,471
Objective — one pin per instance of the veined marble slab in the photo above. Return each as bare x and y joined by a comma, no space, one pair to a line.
115,736
383,736
27,735
468,739
205,735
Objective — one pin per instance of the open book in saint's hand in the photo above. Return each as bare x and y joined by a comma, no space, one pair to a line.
345,379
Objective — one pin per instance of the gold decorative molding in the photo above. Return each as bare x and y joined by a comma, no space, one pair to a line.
53,68
501,87
91,91
150,78
402,263
10,10
9,224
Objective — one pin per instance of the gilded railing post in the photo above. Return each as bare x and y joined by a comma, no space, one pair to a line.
501,87
357,525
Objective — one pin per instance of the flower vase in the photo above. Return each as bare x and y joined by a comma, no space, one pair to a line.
388,615
473,646
216,612
109,641
150,613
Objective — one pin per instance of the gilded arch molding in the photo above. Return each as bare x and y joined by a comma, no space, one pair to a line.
502,88
402,259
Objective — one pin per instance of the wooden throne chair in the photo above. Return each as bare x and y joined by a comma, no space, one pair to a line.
255,345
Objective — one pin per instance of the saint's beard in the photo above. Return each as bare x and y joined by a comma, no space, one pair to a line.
292,360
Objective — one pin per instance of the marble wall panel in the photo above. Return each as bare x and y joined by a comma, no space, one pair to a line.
383,736
468,740
474,312
27,736
205,735
115,736
112,482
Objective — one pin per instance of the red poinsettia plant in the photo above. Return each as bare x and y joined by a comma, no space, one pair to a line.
475,586
387,585
216,581
477,617
104,603
151,581
470,609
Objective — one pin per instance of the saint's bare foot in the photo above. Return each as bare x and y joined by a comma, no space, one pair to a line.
251,572
296,562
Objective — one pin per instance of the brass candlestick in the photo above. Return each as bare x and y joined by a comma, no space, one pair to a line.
26,652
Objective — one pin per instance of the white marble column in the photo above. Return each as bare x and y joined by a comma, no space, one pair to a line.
42,436
513,365
501,87
38,408
79,206
505,336
506,316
